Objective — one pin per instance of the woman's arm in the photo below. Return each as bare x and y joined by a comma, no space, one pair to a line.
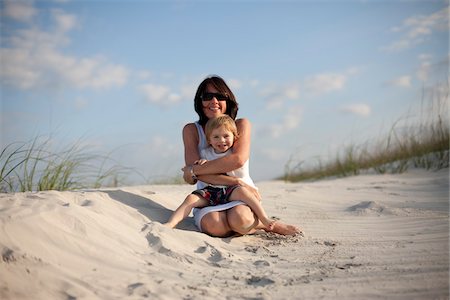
221,179
191,154
239,155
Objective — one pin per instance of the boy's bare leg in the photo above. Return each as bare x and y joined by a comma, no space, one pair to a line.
243,194
185,208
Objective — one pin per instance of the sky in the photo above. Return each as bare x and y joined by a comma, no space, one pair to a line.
311,76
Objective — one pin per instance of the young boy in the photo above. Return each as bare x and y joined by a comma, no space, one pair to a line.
221,132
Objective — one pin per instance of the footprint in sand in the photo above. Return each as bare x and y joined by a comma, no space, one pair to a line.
156,243
369,207
261,263
215,255
259,281
86,203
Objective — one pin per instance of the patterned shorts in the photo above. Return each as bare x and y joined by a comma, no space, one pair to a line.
216,195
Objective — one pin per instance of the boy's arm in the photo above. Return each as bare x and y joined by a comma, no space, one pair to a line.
222,179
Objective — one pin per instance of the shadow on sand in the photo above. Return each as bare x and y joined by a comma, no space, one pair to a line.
149,208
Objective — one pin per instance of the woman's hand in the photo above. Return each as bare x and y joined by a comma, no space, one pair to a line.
187,174
188,171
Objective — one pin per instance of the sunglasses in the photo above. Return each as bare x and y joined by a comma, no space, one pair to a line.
210,96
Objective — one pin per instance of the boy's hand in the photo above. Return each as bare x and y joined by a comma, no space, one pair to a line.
250,188
200,161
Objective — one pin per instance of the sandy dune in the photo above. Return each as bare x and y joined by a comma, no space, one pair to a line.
367,237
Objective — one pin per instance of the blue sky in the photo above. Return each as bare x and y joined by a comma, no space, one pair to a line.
312,77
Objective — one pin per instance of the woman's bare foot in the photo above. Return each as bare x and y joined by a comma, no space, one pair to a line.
284,229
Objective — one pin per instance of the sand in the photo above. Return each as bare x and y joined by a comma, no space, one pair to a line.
366,237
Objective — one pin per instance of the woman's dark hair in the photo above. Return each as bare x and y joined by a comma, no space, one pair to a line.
219,84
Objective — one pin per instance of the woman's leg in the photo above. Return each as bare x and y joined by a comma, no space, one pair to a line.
242,220
215,224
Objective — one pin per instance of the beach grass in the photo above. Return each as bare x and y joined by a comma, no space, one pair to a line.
36,166
168,180
422,143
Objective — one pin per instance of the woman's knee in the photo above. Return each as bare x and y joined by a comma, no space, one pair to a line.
216,224
241,219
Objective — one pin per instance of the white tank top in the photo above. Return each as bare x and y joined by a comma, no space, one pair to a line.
202,143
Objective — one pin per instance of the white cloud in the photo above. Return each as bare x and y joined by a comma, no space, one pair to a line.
33,58
188,90
429,71
155,93
64,22
310,87
234,84
275,102
144,75
292,118
159,94
290,121
254,83
80,103
276,94
274,154
360,109
325,83
423,71
416,29
402,81
22,11
292,91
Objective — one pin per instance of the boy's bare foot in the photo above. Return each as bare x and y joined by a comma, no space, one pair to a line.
284,229
168,225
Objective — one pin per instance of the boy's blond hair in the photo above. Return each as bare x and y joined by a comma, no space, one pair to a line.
223,120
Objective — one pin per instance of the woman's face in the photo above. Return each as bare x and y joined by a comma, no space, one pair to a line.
212,106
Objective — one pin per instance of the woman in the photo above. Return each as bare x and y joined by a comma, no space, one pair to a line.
214,98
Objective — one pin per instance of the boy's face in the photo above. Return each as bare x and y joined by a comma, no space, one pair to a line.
221,139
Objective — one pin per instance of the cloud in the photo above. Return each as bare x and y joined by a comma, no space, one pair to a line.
33,58
415,30
276,94
290,121
274,154
64,22
432,71
22,11
80,104
159,94
234,84
325,83
188,90
309,87
362,110
402,81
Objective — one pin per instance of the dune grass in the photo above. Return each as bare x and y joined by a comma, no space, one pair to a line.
36,166
168,180
422,144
